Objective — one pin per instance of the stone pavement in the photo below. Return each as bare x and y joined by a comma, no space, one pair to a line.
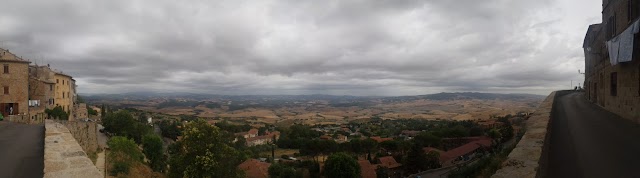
100,162
63,156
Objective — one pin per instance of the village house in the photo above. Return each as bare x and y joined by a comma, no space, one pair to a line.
28,90
254,168
15,84
367,170
388,162
41,90
249,134
489,124
379,140
612,59
263,139
465,152
409,134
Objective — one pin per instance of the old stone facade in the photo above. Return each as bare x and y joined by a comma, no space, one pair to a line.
80,112
65,93
612,59
26,91
41,90
14,82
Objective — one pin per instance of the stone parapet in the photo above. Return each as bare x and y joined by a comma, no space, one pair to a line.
63,156
528,158
23,119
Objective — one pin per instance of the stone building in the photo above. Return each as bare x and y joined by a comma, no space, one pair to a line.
26,91
612,59
41,90
65,95
14,82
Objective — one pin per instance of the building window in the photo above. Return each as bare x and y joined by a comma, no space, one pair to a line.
62,94
6,69
630,10
6,90
611,26
614,84
62,82
57,81
50,87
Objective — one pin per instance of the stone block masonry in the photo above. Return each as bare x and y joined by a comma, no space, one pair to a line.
85,134
63,156
528,159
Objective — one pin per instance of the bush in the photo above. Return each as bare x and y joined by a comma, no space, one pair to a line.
124,153
119,168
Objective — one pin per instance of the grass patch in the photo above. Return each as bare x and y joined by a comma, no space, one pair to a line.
93,156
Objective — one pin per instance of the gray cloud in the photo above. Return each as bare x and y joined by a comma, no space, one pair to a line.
304,47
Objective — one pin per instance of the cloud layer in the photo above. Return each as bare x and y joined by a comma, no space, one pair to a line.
356,47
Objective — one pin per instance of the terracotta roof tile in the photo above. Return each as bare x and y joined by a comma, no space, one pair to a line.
389,162
367,170
254,168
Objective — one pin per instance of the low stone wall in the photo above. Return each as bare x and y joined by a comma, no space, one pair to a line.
63,156
23,119
529,158
85,134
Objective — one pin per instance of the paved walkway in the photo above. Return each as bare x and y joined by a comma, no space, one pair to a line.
587,141
21,150
100,162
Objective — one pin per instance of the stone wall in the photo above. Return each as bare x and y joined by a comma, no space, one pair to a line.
624,100
17,81
85,134
81,113
529,158
63,156
24,119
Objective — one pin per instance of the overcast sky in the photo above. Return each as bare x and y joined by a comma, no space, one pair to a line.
341,47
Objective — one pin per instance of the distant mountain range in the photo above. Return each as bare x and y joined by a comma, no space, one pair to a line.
332,98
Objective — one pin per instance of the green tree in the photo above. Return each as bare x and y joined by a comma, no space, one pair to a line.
121,123
169,129
124,153
91,111
340,165
103,112
382,172
142,118
204,152
424,139
152,148
282,171
433,160
369,145
57,113
416,159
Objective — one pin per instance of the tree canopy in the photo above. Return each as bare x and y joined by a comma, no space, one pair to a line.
152,148
204,152
340,165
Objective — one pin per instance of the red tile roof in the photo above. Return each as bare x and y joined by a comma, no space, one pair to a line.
367,170
389,162
254,168
411,133
378,139
465,149
429,149
253,132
